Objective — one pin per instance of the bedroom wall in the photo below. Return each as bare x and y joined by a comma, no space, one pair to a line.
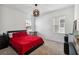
44,23
11,19
76,12
76,17
0,19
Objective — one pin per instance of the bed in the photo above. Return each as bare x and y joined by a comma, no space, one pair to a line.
23,43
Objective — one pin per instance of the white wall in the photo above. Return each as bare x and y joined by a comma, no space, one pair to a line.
76,12
76,17
11,19
44,23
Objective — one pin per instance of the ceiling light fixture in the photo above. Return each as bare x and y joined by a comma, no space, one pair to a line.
36,11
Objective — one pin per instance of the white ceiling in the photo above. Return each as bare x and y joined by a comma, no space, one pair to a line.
42,7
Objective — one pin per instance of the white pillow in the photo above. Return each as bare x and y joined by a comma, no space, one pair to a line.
10,35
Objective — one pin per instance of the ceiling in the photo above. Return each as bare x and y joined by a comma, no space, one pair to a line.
42,7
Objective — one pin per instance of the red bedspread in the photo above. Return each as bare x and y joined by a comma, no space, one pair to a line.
23,44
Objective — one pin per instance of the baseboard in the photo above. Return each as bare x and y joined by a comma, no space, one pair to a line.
54,41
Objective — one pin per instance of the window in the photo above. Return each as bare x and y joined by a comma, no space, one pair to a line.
62,24
28,24
59,24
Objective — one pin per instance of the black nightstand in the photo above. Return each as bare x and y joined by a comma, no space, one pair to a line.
4,41
33,33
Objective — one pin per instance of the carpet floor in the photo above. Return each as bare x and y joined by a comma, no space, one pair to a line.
48,48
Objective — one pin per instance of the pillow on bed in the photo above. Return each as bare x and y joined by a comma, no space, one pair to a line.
19,34
10,35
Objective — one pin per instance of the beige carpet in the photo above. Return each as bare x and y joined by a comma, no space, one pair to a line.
48,48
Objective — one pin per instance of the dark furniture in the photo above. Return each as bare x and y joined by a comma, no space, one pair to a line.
66,45
4,41
33,33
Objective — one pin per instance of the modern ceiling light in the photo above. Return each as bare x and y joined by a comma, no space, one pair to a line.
36,11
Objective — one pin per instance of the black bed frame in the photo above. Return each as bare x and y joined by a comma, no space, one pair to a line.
15,31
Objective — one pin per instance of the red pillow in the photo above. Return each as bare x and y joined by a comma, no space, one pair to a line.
19,34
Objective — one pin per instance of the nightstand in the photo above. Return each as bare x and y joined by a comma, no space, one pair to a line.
33,33
4,41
